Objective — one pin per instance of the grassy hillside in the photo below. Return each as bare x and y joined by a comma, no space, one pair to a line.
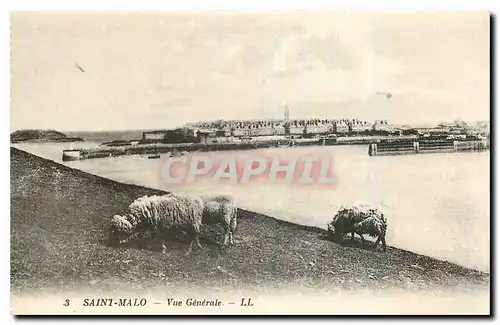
59,218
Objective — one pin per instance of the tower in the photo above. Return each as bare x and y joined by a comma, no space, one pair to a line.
287,121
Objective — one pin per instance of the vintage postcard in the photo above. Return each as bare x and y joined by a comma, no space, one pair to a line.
232,163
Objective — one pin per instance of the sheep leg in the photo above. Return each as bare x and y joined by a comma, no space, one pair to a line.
383,243
352,236
197,236
198,241
159,234
340,238
162,246
226,236
190,248
152,240
362,240
193,232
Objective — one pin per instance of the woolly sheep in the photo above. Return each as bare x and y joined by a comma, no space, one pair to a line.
158,214
220,209
373,226
360,219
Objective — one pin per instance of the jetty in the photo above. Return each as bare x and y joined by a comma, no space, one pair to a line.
154,149
426,146
377,145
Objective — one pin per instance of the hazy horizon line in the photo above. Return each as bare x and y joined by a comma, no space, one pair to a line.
428,123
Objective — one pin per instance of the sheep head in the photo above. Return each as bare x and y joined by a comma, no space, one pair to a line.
334,233
331,230
120,230
341,224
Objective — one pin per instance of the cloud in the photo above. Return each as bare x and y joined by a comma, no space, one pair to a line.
197,66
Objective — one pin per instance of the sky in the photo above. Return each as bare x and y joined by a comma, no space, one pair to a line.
116,71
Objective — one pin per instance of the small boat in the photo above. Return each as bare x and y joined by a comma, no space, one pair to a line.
154,156
177,153
71,154
286,144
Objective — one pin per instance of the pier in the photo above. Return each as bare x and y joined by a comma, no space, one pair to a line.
423,146
162,148
377,146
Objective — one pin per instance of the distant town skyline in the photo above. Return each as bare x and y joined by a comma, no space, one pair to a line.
77,72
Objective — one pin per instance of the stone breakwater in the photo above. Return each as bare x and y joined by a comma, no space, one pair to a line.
417,147
158,148
162,148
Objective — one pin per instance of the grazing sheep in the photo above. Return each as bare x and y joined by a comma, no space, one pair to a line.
373,226
220,209
360,219
158,214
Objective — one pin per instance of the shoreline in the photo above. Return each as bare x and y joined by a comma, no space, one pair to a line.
72,209
375,146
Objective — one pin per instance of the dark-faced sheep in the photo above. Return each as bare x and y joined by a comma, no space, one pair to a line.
158,214
359,219
221,209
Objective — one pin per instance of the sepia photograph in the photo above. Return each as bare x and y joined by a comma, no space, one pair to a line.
250,163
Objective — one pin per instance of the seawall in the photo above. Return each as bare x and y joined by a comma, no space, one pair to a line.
161,148
426,146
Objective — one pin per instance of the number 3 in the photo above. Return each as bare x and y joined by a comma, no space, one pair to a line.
66,303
